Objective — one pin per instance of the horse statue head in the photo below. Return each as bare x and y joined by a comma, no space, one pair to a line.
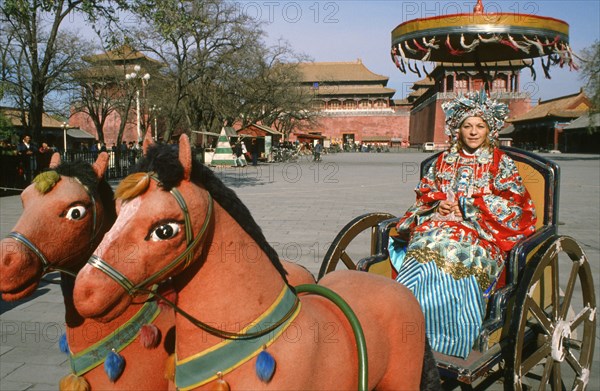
66,211
166,210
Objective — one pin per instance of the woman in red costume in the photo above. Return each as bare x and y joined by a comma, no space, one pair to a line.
471,209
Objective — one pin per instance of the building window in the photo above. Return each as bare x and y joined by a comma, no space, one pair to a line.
462,84
349,105
499,84
380,104
364,104
319,105
334,105
449,83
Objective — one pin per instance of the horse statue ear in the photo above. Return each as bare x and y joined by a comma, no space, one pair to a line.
148,142
100,165
185,156
55,160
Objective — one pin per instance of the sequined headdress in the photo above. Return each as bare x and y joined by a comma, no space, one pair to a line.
474,104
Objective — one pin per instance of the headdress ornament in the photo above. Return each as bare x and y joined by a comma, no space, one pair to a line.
474,104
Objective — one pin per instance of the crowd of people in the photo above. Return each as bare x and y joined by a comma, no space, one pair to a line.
23,160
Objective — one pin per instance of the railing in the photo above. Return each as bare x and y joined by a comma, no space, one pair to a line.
118,167
13,172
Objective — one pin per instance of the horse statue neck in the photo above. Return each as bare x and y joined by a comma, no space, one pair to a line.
231,286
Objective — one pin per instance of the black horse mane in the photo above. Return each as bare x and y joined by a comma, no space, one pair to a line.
163,160
84,172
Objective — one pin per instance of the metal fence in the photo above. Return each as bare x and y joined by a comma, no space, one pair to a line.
14,173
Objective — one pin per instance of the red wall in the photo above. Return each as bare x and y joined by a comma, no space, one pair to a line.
392,126
111,127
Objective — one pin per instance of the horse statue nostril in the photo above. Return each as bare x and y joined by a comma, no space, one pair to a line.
8,250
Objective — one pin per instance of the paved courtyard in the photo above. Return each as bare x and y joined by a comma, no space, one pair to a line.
301,207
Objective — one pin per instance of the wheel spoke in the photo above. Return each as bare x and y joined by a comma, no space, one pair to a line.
546,375
573,362
555,287
347,261
582,316
569,290
540,315
535,357
556,377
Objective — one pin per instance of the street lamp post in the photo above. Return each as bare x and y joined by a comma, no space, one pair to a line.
155,110
143,79
65,126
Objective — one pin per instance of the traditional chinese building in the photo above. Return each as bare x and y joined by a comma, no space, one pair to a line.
446,81
543,126
111,68
354,104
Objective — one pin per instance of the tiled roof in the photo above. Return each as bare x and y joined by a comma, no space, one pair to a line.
426,82
123,53
264,128
14,115
585,121
570,106
338,71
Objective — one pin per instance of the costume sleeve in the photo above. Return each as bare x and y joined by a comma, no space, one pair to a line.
428,197
505,216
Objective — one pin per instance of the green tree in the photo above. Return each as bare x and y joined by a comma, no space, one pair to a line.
6,129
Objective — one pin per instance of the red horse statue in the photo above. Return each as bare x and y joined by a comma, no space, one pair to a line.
239,323
66,212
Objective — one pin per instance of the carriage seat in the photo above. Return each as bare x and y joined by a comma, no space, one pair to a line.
541,177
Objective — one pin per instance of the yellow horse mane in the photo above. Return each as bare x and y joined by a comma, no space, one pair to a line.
133,185
45,181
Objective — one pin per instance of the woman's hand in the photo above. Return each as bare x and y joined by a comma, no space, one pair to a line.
446,207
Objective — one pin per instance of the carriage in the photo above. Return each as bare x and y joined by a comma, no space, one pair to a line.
540,322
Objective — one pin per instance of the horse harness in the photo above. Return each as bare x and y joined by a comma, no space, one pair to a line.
187,254
48,267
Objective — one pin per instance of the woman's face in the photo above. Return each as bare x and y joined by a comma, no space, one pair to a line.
473,133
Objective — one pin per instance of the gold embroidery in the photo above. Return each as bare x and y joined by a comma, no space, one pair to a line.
456,269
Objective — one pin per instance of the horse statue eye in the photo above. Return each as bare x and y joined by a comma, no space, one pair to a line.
164,232
76,213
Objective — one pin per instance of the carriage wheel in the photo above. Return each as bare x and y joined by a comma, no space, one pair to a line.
553,323
337,249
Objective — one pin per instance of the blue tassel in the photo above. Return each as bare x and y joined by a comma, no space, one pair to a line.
114,365
63,344
265,366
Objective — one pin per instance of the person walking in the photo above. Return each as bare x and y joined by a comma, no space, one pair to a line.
254,152
240,161
317,151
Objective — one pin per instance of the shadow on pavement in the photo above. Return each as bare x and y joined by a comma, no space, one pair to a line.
52,278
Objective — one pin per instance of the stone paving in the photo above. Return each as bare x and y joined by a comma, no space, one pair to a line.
301,207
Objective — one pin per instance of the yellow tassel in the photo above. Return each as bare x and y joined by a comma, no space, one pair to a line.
73,382
220,384
170,368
